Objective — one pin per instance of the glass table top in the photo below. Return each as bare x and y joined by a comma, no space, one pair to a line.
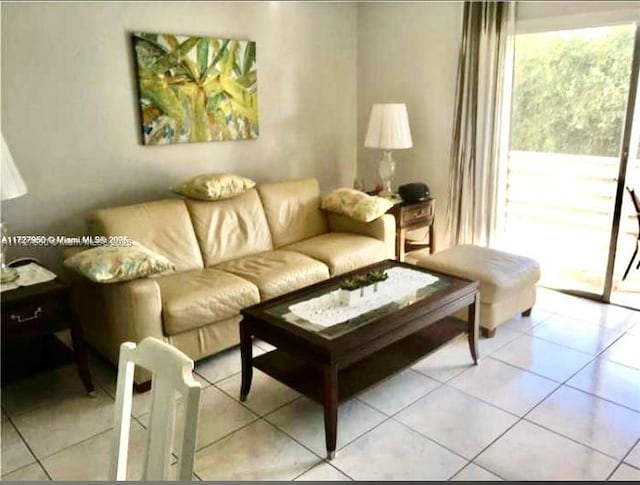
331,311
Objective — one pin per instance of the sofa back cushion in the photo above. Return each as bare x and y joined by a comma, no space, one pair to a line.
293,210
164,226
230,228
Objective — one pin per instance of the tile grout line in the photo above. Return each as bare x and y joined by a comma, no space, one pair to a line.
598,352
581,319
390,417
315,465
261,415
603,398
523,417
566,383
621,462
386,416
571,439
23,467
440,384
483,401
84,440
37,460
481,467
257,418
293,438
277,428
593,360
518,421
471,366
263,419
386,419
444,384
40,461
307,470
513,366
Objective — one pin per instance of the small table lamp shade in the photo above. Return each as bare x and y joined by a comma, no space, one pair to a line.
11,186
12,182
389,130
388,127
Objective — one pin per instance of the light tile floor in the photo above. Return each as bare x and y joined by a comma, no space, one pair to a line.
556,396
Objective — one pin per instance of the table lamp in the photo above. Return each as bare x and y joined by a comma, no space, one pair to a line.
388,129
12,186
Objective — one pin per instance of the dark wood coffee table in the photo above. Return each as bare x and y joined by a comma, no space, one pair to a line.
333,364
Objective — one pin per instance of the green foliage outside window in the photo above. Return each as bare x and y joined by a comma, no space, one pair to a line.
570,90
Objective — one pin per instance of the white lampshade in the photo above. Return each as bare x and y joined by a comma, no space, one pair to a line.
388,127
12,183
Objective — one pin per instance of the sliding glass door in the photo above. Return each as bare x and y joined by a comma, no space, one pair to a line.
623,283
569,104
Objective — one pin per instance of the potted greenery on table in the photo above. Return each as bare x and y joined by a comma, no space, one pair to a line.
358,288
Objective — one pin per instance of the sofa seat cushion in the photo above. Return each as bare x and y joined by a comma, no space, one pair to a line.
277,272
191,299
340,251
501,275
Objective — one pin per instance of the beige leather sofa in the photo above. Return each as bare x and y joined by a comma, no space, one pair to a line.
228,254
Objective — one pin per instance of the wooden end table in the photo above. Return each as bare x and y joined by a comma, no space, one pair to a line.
39,310
411,216
333,364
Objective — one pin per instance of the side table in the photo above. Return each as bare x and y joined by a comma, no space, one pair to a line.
40,310
409,217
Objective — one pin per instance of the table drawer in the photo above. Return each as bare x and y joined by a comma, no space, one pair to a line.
33,318
414,215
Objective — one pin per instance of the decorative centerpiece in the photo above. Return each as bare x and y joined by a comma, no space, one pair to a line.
361,287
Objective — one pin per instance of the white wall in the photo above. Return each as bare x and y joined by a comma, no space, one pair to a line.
408,53
69,106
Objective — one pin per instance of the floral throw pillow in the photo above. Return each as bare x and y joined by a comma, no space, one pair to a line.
111,264
214,186
355,204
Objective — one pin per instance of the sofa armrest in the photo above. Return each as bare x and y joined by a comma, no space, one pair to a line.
382,228
113,313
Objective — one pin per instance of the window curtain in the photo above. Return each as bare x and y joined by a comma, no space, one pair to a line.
480,119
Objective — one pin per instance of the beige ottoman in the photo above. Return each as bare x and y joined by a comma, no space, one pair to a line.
507,281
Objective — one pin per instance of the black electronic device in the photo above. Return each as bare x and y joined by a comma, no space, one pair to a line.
414,192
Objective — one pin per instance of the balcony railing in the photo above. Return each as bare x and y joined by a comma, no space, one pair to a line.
559,209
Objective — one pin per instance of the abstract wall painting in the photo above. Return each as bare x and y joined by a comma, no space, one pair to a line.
196,89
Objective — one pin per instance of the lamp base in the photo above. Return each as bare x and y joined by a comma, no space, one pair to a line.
8,275
387,170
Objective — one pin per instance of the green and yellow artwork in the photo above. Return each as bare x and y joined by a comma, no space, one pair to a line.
196,89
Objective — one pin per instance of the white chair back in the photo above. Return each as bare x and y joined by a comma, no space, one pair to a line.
172,372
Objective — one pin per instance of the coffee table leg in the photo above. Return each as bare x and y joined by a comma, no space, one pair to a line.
246,355
330,397
473,320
